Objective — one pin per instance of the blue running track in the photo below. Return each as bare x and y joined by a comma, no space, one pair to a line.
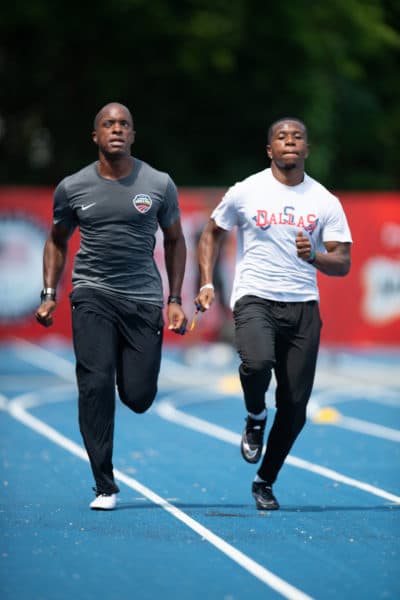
186,527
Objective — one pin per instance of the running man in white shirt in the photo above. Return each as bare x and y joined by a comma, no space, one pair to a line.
289,226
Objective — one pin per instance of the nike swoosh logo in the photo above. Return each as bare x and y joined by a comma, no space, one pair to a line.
86,206
250,453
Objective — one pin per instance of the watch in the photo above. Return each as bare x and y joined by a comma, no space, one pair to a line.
312,258
174,300
48,294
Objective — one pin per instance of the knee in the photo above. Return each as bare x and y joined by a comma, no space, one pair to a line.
96,385
292,418
138,402
297,418
255,367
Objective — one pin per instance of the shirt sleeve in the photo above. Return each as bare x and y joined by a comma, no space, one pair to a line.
169,211
62,212
336,228
225,214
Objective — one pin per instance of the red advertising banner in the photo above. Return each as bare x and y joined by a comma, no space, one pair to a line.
362,309
25,220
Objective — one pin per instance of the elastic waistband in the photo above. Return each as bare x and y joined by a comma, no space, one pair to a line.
283,304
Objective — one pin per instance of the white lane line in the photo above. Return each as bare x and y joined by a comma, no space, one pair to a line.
358,379
17,410
315,412
369,428
44,359
55,364
167,411
323,398
3,402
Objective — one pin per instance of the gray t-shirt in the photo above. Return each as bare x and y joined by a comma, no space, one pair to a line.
118,221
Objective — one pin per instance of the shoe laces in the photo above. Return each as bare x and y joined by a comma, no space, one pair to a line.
255,424
96,491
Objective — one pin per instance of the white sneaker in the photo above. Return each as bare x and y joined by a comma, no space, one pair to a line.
104,502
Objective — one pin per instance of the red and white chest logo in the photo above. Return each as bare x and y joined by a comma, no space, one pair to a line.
142,202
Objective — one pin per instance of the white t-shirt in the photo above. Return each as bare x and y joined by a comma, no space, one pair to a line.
268,216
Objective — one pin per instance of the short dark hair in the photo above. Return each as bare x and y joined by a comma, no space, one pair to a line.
275,123
98,115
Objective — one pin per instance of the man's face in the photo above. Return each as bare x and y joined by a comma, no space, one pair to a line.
114,132
288,147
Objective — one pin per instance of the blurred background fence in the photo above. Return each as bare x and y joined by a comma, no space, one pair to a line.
360,310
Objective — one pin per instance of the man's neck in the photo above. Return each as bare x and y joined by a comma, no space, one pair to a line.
117,168
289,177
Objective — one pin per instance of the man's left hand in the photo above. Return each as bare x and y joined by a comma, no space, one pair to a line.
304,247
176,318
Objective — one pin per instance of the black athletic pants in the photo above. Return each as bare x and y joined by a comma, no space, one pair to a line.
283,337
116,341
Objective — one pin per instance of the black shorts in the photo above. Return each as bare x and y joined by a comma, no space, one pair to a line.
117,337
284,335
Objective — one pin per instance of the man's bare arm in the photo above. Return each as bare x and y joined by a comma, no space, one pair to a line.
175,262
54,257
208,250
335,262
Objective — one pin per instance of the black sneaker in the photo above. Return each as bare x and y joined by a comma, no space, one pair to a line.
265,499
252,439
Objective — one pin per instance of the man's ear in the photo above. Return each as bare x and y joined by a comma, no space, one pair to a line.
94,137
269,152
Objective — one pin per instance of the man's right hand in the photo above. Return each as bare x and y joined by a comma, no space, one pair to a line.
204,299
44,314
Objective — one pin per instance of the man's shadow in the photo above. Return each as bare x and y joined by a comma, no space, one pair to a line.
248,510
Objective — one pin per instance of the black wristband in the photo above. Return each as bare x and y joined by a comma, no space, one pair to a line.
174,300
48,294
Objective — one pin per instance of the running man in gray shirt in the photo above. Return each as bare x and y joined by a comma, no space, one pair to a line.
117,203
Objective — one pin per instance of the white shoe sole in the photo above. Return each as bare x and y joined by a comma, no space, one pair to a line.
104,502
